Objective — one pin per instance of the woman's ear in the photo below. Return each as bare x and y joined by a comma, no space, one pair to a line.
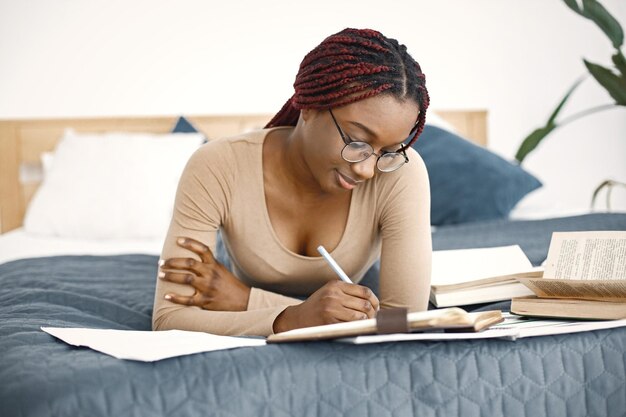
306,114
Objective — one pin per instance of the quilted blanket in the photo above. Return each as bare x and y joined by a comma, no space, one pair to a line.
566,375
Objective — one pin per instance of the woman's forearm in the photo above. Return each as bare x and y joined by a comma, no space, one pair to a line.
227,323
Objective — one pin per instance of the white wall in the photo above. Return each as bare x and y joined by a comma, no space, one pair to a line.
515,58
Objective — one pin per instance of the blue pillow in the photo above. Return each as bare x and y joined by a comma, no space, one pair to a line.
184,126
467,182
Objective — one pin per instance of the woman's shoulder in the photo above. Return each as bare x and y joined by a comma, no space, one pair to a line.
406,190
228,151
412,173
400,187
247,139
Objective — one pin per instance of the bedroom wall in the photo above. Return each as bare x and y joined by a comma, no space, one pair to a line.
515,58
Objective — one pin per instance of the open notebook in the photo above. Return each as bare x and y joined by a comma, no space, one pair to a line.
395,321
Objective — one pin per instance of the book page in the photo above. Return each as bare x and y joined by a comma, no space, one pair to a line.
587,256
584,265
612,290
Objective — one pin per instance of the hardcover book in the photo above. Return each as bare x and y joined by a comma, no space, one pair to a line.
479,275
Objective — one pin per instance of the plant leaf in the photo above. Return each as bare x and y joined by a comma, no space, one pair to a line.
534,138
605,20
573,4
620,63
531,141
560,106
614,84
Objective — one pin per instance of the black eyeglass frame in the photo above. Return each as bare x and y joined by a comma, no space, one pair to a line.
347,141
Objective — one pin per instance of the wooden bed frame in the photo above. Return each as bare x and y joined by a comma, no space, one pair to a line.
22,141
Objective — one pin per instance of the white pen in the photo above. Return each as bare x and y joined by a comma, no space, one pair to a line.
342,275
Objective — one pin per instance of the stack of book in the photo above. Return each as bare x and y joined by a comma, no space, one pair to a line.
471,276
584,278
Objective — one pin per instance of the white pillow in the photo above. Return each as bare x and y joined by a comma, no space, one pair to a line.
47,159
110,185
435,120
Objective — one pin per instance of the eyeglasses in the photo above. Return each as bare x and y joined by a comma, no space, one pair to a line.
356,151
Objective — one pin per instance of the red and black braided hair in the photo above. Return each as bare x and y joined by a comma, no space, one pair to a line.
352,65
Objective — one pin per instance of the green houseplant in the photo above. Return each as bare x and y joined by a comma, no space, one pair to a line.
612,79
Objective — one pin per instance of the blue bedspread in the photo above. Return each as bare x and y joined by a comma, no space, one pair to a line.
567,375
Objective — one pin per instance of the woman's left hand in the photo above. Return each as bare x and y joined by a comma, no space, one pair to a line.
216,287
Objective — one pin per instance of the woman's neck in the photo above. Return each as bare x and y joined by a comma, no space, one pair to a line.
288,167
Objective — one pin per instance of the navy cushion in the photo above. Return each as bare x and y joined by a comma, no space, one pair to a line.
467,182
183,126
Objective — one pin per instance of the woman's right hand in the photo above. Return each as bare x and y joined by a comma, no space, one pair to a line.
335,302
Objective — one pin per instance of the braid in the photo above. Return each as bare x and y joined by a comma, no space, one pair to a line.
350,66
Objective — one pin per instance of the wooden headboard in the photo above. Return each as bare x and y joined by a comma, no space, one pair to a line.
22,141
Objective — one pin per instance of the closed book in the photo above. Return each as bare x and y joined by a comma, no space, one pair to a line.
568,308
482,293
395,321
479,275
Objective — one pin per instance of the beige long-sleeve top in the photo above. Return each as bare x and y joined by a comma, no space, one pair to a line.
222,187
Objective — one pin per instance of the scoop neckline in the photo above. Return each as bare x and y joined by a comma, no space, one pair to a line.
266,214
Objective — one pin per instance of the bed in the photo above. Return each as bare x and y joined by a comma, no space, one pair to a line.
62,277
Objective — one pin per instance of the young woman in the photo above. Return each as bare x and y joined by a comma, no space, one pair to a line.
335,168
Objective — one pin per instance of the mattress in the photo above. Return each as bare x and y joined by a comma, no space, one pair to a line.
19,244
565,375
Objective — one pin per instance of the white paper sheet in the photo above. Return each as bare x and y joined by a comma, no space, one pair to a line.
148,346
514,327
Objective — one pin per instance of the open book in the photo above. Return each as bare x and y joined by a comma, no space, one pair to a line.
580,266
395,321
568,308
479,275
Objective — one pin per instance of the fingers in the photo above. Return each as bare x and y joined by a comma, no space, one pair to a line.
190,264
349,315
340,302
199,248
359,308
178,278
363,293
186,264
181,299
